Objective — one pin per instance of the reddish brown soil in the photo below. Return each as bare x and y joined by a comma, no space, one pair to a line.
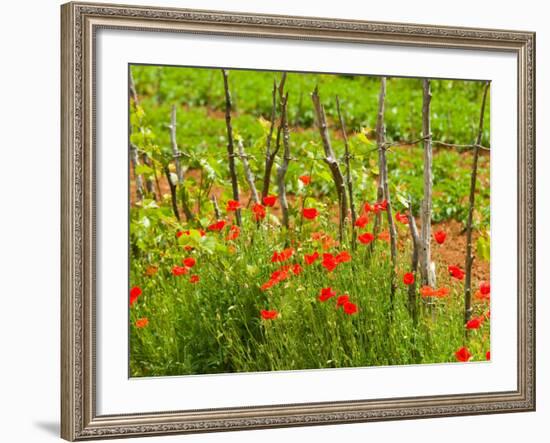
453,251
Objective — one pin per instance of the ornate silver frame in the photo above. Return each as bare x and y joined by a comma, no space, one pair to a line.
79,420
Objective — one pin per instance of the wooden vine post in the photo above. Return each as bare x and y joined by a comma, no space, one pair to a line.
230,145
469,254
134,157
283,167
248,172
144,157
269,154
414,263
216,207
384,185
426,272
179,170
349,181
331,160
173,193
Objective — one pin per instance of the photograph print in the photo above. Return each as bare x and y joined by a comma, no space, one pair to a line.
283,221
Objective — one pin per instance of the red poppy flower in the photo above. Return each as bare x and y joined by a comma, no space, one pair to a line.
368,208
474,323
189,262
234,232
342,300
440,237
463,354
232,205
401,218
456,272
488,355
362,221
135,292
319,235
194,279
297,269
408,278
268,285
188,248
151,270
270,200
485,288
426,291
326,293
384,236
179,234
305,179
482,297
350,308
366,238
269,315
259,211
329,262
179,270
284,255
281,274
311,258
329,243
343,257
142,322
382,206
310,213
218,226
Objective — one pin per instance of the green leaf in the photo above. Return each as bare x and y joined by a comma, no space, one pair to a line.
145,170
208,244
483,247
145,222
402,199
264,124
364,139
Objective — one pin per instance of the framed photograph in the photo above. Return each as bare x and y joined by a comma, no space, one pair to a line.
284,221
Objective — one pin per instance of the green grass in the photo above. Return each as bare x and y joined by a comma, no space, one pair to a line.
215,326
